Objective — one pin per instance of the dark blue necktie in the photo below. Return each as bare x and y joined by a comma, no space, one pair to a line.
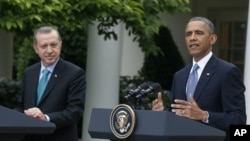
192,81
42,84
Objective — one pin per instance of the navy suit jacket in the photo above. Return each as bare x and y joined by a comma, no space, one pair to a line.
220,91
62,101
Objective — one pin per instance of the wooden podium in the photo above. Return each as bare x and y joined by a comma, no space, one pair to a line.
14,126
155,126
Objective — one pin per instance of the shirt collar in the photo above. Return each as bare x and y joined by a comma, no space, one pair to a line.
202,63
50,68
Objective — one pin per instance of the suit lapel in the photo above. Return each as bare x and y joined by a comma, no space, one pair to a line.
54,78
34,79
206,75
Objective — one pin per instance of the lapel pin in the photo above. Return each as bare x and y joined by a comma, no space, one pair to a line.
55,75
208,74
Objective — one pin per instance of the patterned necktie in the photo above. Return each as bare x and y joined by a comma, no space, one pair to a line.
192,81
42,84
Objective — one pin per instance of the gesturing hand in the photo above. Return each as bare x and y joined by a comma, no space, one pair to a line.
157,104
188,109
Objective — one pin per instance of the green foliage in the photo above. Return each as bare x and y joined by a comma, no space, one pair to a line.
29,14
140,18
8,92
25,55
75,46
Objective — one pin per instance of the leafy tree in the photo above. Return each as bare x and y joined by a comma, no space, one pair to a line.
140,17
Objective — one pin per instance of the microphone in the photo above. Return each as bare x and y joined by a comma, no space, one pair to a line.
155,87
134,92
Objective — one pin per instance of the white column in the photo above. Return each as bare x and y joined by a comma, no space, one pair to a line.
6,54
132,57
103,73
247,68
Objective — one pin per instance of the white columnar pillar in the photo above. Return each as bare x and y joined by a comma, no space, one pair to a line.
247,68
6,54
103,74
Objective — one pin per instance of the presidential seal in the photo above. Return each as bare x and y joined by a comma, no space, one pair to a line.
122,121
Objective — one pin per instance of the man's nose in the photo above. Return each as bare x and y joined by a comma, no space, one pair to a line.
193,36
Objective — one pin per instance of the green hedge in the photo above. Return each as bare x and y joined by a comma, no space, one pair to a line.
9,90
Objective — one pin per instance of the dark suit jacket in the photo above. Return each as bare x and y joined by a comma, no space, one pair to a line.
220,91
62,101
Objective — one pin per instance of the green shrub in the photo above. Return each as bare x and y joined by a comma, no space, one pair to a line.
9,90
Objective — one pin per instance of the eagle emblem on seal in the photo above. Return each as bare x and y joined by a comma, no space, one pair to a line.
122,121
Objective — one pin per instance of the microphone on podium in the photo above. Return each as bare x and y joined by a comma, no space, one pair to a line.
155,87
133,93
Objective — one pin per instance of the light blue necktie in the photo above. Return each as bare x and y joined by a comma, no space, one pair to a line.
192,81
42,84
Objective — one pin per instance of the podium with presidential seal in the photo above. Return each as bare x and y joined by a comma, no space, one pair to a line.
124,123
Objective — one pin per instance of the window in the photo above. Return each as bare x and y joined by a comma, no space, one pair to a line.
233,42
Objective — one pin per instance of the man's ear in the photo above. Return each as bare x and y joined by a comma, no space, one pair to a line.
35,48
213,39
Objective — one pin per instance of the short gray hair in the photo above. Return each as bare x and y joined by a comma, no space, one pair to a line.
45,29
209,24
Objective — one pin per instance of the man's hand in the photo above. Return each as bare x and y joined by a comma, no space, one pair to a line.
35,112
188,109
157,104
